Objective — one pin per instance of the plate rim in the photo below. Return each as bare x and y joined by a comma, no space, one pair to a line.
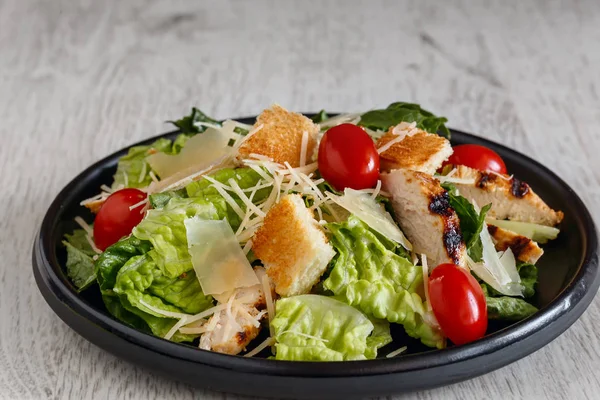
571,302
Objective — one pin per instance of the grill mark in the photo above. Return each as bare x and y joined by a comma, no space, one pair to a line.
452,236
452,239
241,337
519,188
518,244
440,204
492,229
484,179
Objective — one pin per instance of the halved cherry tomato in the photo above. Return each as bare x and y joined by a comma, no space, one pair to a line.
348,158
115,220
458,303
477,157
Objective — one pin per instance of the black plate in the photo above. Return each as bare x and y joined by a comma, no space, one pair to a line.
568,281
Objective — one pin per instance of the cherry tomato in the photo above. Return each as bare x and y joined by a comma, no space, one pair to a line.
348,158
115,220
477,157
458,303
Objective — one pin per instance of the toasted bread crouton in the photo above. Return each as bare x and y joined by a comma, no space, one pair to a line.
523,248
422,209
417,151
292,247
511,198
95,205
280,136
233,329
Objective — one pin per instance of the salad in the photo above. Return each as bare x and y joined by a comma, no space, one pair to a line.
318,232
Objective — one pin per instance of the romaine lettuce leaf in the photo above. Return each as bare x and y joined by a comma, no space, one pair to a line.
318,328
244,177
140,280
372,277
114,257
509,308
380,337
512,308
404,112
471,222
131,166
164,228
80,265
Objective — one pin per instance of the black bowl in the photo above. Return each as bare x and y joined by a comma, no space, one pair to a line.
568,281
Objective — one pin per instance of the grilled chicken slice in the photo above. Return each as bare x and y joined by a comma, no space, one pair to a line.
423,211
523,248
230,330
510,198
413,149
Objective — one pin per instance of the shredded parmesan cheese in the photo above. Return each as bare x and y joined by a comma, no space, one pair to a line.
397,352
143,172
377,189
267,343
86,227
305,335
425,268
175,328
164,313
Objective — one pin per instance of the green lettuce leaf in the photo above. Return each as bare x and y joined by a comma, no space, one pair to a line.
529,277
319,328
80,265
131,166
179,142
471,222
160,200
380,337
164,228
404,112
244,177
320,117
507,308
115,307
186,124
140,280
114,257
372,277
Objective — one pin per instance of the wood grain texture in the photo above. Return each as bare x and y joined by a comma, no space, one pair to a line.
80,79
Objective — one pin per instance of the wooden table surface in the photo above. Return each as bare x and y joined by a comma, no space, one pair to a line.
81,79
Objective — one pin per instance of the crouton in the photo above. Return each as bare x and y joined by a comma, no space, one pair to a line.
422,209
523,248
292,247
417,151
511,198
280,137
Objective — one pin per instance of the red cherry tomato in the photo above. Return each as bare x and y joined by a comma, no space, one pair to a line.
477,157
458,303
115,220
348,158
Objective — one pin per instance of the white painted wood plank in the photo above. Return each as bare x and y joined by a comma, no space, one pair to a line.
80,79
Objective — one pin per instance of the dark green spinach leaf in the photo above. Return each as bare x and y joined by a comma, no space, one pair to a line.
404,112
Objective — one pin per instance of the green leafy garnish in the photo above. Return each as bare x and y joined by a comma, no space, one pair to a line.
471,222
320,117
404,112
114,257
187,123
80,265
